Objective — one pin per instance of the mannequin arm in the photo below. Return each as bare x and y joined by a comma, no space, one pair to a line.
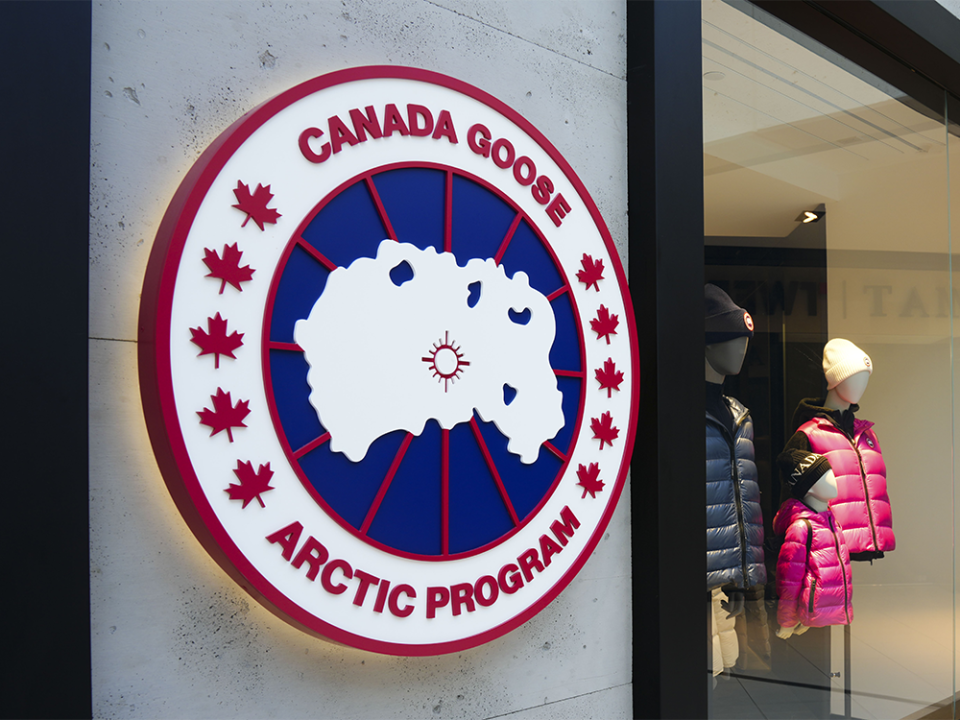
734,600
785,632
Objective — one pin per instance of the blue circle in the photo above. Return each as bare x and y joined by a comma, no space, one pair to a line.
395,496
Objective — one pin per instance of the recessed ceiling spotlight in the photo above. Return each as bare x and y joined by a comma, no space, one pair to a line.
713,75
809,216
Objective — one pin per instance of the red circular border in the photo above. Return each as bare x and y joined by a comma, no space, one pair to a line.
155,372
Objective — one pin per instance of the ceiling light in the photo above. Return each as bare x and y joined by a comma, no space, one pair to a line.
810,216
713,75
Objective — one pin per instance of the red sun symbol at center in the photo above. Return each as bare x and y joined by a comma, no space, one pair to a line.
446,360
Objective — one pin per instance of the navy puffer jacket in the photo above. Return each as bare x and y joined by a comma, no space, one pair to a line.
734,520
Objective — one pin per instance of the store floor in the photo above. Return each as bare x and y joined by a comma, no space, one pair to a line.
901,653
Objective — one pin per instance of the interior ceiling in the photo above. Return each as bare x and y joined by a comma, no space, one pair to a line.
784,129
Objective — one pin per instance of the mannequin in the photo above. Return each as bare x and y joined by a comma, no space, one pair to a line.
814,581
725,358
722,359
823,491
829,427
848,392
817,499
734,521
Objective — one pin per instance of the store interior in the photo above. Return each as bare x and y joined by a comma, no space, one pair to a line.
792,130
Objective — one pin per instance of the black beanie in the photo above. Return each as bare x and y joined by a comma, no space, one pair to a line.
801,470
725,320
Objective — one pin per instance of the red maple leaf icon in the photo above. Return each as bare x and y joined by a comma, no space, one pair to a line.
609,377
605,324
589,480
216,341
604,429
227,268
224,415
592,272
255,205
252,484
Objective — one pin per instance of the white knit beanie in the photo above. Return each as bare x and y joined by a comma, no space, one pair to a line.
841,359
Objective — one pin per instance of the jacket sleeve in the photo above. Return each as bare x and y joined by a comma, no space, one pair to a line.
791,568
799,441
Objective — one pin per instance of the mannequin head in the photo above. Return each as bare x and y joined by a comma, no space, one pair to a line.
725,358
847,370
822,492
728,329
848,392
809,477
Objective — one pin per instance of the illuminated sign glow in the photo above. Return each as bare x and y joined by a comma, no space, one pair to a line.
388,361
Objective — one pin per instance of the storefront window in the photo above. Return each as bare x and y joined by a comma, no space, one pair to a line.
828,196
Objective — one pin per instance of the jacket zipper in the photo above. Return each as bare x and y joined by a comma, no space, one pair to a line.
866,495
806,562
843,570
863,482
735,474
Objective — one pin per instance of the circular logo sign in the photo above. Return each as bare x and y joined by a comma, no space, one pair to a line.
748,320
388,361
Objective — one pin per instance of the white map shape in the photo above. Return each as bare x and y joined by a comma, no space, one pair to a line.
374,363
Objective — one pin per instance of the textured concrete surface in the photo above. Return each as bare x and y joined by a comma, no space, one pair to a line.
172,635
169,77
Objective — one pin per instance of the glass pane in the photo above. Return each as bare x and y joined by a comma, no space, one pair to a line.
828,199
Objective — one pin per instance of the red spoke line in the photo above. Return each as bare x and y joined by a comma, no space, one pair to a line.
493,471
448,213
557,293
507,238
312,445
570,373
317,255
385,485
445,492
380,209
549,446
277,345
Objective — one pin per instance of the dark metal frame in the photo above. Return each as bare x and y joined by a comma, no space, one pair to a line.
665,186
46,139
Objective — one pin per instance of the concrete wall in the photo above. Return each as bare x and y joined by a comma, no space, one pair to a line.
172,636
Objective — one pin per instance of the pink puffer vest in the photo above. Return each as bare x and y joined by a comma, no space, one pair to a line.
814,581
862,506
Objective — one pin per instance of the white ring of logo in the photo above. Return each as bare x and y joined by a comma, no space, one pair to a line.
212,287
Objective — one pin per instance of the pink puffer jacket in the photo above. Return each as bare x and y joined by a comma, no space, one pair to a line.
813,570
862,506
